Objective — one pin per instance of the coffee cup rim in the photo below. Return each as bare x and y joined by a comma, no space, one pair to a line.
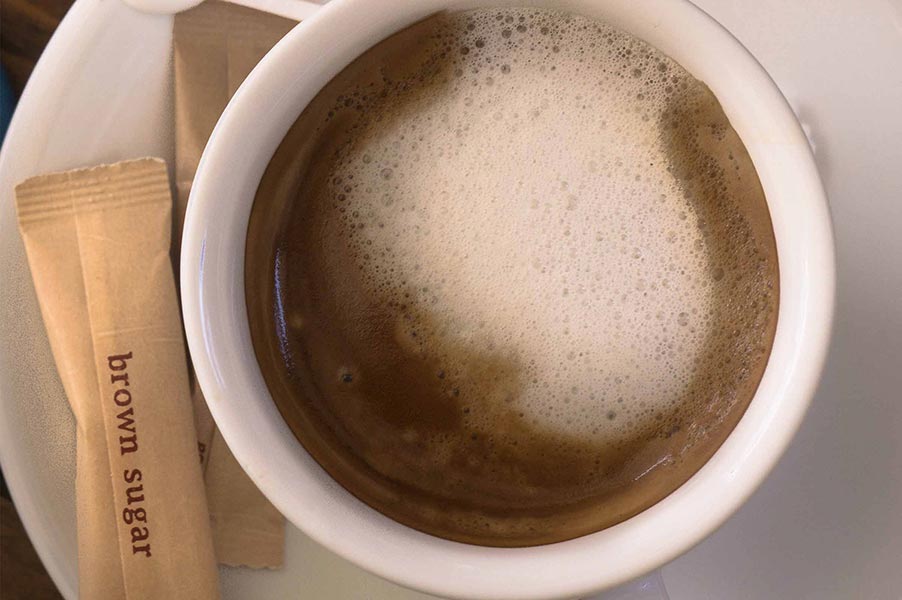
212,280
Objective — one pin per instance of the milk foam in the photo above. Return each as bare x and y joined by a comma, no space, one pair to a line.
529,206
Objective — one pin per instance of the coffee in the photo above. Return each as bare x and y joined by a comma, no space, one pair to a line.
511,277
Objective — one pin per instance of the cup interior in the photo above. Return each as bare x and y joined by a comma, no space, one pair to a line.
212,274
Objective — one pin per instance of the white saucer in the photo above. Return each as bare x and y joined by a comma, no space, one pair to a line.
826,524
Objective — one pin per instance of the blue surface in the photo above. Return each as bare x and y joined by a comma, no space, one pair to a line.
7,103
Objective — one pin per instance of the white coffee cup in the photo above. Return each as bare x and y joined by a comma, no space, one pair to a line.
212,275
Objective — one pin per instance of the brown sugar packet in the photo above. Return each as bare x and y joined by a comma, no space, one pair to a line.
98,243
216,45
